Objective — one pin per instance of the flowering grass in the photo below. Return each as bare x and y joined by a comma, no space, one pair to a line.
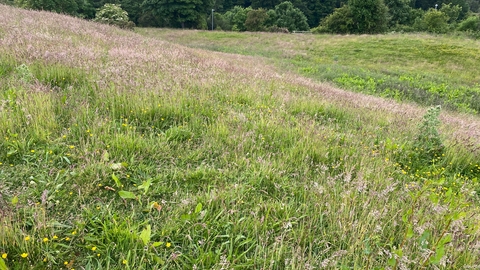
119,151
426,69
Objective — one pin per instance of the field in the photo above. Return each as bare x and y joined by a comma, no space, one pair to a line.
426,69
164,149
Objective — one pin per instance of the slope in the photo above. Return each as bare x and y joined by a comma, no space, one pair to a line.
124,152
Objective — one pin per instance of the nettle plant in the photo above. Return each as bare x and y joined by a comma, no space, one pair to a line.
428,146
113,14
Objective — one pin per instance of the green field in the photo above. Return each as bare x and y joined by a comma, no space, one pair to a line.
130,150
429,70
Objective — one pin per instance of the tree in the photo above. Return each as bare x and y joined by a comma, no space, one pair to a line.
285,15
60,6
236,18
435,21
180,13
399,12
340,21
369,16
472,24
114,15
256,20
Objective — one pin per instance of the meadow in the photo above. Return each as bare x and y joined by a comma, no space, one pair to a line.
128,150
425,69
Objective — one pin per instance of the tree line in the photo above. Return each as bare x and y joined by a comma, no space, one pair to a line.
335,16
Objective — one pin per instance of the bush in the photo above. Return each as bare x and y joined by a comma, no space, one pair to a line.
435,21
286,15
369,16
114,15
470,24
340,21
236,17
256,20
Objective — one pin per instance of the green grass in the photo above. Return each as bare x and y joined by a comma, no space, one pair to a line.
429,70
119,151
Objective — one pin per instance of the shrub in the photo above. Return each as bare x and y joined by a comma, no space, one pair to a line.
470,24
286,15
435,21
236,18
256,20
114,15
340,21
427,146
369,16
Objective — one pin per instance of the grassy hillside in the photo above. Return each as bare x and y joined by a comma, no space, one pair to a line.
429,70
119,151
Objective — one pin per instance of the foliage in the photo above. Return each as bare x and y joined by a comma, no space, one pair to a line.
236,18
60,6
453,12
184,14
400,12
369,16
427,147
471,23
340,21
435,21
256,20
114,15
285,15
358,17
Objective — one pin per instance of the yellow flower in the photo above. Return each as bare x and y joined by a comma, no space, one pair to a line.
67,238
74,232
33,151
71,146
168,244
124,261
65,262
55,237
98,254
45,240
27,238
94,248
24,255
4,255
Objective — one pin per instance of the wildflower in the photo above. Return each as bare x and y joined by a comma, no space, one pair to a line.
71,146
67,238
124,262
168,244
55,237
98,254
33,151
4,255
45,240
27,238
74,232
65,262
24,255
44,259
94,248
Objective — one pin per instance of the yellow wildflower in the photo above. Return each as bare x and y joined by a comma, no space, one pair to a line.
27,238
4,255
24,255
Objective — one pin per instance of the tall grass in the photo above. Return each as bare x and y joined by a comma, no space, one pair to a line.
150,155
426,69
